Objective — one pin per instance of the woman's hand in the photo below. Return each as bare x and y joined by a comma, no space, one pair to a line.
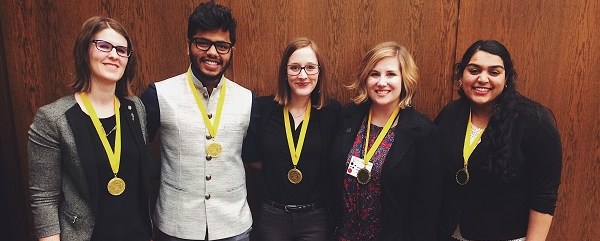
539,225
55,237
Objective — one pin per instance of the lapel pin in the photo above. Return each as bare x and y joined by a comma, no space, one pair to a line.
129,107
132,117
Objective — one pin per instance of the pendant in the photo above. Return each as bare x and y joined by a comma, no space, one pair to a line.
363,176
213,149
294,175
116,186
462,176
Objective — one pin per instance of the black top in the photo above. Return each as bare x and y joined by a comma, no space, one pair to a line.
276,158
487,207
123,217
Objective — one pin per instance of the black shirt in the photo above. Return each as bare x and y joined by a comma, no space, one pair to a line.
122,217
277,161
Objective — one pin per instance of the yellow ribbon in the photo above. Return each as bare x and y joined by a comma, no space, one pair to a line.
295,152
469,146
212,129
114,158
388,124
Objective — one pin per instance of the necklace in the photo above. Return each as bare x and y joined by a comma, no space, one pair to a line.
111,131
296,116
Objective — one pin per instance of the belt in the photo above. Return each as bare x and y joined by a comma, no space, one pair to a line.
296,208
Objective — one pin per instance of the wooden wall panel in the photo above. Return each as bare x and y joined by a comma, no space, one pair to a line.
554,44
11,185
556,48
344,32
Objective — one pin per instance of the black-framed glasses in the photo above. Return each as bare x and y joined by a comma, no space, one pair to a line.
295,69
106,46
205,45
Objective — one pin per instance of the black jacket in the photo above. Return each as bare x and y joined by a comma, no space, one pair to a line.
487,207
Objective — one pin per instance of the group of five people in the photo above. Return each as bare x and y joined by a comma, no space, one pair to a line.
375,169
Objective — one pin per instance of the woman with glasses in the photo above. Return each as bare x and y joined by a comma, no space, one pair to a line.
384,180
88,159
502,154
296,128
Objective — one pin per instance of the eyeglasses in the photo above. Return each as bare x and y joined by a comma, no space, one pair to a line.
105,46
205,45
295,69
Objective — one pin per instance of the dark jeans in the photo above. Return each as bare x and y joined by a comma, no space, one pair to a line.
276,224
245,236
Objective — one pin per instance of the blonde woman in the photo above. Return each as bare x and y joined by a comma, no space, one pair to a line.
385,184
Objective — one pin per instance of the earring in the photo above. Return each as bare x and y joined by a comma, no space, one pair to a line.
460,84
505,86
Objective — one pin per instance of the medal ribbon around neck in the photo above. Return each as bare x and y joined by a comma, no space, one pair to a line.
295,152
370,152
462,175
469,146
212,129
113,157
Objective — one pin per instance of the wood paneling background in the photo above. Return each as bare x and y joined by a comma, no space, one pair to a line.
555,45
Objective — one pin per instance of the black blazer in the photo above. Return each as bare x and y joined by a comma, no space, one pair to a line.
410,179
487,207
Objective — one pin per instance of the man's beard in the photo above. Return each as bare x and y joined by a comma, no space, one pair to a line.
203,76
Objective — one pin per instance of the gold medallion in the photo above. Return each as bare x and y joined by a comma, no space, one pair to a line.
213,149
295,175
363,176
462,176
116,186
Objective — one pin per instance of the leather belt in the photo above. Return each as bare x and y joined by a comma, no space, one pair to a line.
296,208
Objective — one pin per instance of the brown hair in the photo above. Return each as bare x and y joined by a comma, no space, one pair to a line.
319,95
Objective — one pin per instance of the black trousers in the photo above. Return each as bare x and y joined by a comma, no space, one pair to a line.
275,224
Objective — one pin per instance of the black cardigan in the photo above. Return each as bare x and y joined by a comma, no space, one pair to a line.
410,179
487,207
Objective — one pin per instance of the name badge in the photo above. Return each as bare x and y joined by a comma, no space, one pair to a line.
356,164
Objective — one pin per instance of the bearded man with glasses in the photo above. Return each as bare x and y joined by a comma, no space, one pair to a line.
203,119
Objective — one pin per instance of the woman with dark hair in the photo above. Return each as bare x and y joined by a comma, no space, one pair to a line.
296,128
502,154
88,158
384,182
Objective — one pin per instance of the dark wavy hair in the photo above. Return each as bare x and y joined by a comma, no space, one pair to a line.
210,16
81,53
496,139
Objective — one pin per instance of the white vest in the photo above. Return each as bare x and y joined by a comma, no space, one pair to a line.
196,193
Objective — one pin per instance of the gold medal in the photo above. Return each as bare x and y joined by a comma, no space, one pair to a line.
116,186
213,149
294,175
462,176
363,176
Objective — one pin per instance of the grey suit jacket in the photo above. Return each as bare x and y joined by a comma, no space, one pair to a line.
61,181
